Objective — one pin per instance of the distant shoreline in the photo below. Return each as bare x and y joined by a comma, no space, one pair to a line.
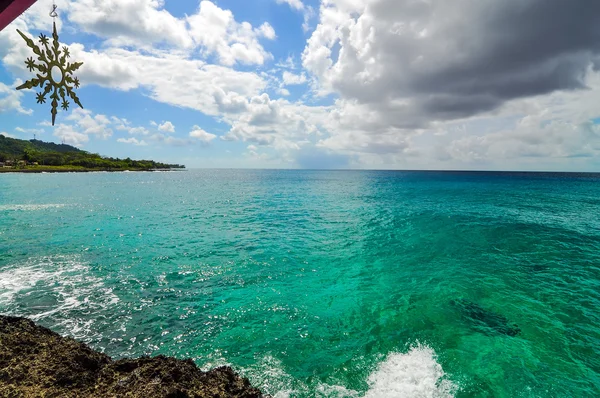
75,170
35,156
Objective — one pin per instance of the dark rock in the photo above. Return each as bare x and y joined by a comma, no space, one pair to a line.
36,362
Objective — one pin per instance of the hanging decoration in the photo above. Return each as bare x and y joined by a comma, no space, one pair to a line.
55,75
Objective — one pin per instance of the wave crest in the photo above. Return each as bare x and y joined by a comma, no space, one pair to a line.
415,374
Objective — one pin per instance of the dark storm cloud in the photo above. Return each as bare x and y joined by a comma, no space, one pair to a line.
452,59
523,49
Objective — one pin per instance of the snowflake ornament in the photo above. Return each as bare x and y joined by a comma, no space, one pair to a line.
55,73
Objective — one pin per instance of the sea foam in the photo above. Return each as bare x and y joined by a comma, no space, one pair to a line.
30,207
54,288
414,374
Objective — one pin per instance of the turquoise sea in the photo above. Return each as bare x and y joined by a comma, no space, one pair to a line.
320,283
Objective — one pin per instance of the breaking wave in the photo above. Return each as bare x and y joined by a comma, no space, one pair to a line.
414,374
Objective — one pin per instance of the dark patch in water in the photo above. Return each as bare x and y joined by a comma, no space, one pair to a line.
534,266
539,268
485,320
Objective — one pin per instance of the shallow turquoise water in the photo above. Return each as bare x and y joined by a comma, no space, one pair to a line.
317,283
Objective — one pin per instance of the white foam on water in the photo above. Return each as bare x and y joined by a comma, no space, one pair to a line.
73,287
50,270
14,280
66,280
30,207
335,391
415,374
269,376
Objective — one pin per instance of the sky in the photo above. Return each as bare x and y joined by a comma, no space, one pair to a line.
345,84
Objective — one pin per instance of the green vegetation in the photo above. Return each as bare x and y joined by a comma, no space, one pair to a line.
48,156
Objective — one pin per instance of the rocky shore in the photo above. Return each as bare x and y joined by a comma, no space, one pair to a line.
36,362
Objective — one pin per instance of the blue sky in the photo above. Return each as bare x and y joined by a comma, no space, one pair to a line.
309,84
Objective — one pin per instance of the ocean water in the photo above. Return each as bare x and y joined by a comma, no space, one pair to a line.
320,283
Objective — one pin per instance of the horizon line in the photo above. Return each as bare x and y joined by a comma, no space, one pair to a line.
395,170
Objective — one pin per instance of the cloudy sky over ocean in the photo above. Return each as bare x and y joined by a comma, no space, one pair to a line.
398,84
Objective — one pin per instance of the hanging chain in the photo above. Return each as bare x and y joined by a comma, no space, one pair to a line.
53,13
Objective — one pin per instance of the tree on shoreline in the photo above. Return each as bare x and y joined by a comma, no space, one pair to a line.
51,154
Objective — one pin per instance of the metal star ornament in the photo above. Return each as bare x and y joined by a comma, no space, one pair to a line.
55,73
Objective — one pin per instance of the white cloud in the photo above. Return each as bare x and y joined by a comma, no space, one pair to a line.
291,79
167,127
217,32
532,138
189,83
122,124
81,124
97,125
10,99
119,65
139,130
133,141
212,89
146,23
289,63
278,124
36,16
266,30
69,135
309,13
170,140
383,61
202,135
127,22
544,129
295,4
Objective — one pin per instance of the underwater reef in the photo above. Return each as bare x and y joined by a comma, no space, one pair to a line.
484,320
37,362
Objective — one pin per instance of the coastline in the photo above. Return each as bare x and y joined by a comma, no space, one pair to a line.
39,170
35,361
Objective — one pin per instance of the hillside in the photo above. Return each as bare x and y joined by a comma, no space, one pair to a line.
13,150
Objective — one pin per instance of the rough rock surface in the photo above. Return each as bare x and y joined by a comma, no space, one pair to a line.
36,362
